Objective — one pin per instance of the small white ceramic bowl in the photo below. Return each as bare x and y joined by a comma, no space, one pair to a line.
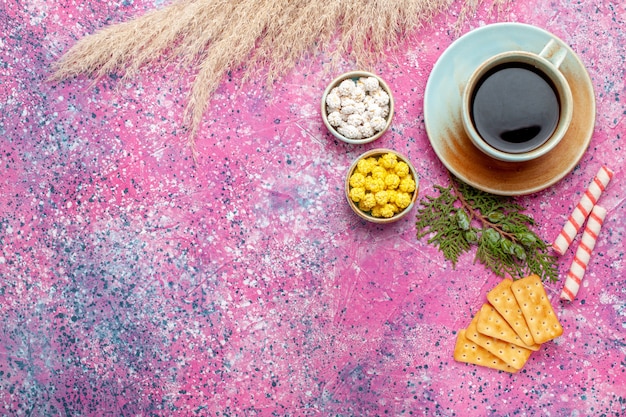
367,215
355,75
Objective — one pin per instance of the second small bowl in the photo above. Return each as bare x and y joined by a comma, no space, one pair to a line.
400,193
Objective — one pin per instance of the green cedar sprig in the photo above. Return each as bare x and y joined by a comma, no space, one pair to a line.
461,217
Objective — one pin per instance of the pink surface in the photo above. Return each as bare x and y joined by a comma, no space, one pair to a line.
134,282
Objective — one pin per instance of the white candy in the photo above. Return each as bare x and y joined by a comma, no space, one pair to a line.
360,108
347,110
347,101
378,123
351,132
346,87
370,83
366,130
355,120
358,94
333,100
335,118
375,111
380,97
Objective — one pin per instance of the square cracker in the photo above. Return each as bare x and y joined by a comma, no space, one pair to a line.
502,299
510,353
491,323
469,352
540,316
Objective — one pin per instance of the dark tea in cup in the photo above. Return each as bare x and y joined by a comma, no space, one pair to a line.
515,107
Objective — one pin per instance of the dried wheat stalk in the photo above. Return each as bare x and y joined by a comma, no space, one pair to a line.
221,35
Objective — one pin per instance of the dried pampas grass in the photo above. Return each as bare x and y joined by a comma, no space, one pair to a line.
222,35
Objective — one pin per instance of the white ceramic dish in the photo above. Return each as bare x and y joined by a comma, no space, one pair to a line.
442,113
354,75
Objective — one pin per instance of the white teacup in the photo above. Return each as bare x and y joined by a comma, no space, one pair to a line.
518,105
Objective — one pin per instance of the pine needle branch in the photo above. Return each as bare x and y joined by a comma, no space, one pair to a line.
461,217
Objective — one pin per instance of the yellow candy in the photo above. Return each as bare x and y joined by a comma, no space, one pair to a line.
357,180
387,211
379,172
403,200
407,184
402,169
357,194
392,195
364,166
392,181
388,160
368,202
374,184
381,197
376,211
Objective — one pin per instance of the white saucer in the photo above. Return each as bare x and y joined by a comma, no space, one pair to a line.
442,113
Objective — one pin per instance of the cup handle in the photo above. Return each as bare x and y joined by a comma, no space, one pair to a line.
554,53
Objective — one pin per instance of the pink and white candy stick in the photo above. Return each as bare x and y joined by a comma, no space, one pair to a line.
582,210
583,254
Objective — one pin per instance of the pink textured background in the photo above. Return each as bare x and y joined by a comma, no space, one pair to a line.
134,282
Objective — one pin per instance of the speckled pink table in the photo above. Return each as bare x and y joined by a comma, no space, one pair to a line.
135,282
